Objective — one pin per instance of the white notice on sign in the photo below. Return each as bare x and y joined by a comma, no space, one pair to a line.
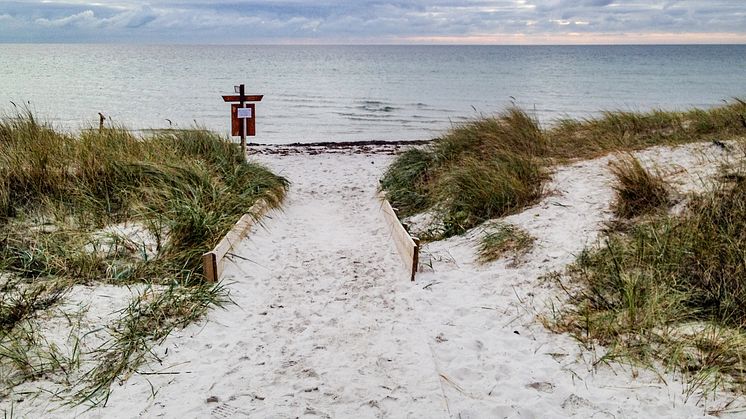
244,113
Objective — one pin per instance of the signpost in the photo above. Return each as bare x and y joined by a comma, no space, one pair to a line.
243,115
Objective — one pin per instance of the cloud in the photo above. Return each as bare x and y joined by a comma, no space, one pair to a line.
88,19
139,18
85,19
227,21
6,18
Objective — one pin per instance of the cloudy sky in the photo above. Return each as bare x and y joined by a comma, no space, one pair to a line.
379,21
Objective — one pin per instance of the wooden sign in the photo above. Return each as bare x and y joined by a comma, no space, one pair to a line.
246,98
237,123
243,118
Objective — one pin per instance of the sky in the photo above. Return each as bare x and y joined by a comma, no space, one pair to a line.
375,22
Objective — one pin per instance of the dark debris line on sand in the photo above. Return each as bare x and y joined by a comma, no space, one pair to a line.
346,147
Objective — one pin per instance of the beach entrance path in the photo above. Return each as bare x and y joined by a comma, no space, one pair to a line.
327,324
319,326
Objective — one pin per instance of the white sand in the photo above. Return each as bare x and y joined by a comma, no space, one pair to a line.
326,324
131,238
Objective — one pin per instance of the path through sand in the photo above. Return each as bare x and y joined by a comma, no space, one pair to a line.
326,324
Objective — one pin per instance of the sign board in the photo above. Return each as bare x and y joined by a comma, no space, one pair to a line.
244,113
237,123
243,116
246,98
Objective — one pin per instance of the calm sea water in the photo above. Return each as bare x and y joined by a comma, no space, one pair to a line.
344,93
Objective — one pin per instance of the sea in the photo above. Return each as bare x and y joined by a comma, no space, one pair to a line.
357,93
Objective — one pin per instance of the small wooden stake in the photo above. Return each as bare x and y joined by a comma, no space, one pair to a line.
415,257
210,266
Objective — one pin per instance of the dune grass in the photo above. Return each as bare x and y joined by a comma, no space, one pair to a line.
627,131
58,192
673,288
504,240
668,287
151,316
637,190
494,166
481,170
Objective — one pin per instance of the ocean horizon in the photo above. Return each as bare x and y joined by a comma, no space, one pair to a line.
358,92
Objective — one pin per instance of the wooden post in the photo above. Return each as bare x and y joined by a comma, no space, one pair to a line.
245,125
242,101
210,266
415,257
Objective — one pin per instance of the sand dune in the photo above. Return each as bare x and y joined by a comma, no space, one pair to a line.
325,323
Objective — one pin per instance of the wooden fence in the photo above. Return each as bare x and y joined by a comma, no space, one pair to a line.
407,246
213,261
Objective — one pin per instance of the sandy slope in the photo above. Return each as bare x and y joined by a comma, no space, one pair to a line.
326,325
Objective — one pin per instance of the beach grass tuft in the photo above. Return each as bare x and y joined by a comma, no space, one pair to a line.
149,317
504,240
637,190
627,131
477,171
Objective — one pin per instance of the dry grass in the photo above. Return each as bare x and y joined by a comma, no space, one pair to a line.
641,291
637,190
495,166
504,240
58,191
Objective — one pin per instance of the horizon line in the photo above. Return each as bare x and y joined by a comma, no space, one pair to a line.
548,44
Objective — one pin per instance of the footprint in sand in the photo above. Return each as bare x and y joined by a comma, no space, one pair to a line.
542,386
226,411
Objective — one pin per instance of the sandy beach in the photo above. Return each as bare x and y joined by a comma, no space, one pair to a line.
464,209
325,323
